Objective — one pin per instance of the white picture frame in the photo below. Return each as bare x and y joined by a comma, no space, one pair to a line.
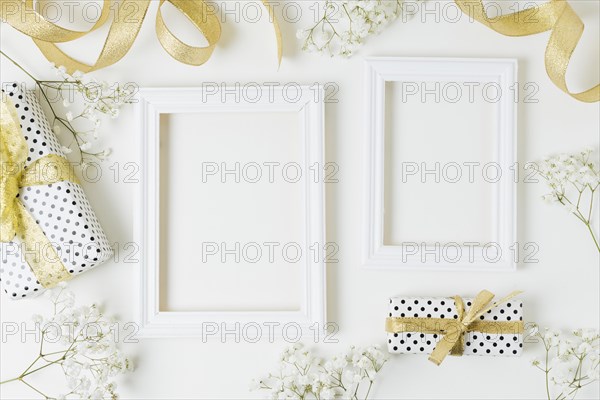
503,74
151,103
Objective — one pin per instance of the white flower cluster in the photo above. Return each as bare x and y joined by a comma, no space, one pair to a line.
572,360
303,376
99,100
346,24
566,172
573,180
82,342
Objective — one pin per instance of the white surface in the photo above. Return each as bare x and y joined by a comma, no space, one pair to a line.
232,212
561,290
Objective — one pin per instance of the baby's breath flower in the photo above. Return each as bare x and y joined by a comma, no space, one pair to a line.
85,146
86,352
100,99
66,150
302,375
346,24
570,361
573,180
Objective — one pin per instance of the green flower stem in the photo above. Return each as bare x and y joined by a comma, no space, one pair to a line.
10,380
369,390
41,356
579,215
35,389
593,236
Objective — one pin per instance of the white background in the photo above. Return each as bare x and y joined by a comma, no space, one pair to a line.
561,290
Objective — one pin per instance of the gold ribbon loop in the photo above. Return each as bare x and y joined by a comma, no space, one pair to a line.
557,16
124,29
22,16
453,330
16,221
206,22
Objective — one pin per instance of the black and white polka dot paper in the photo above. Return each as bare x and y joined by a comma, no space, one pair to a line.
475,343
61,209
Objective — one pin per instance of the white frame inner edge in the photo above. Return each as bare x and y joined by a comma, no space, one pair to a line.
151,104
502,73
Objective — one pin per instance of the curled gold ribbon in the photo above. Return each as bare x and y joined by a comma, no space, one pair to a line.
556,16
15,221
124,28
453,330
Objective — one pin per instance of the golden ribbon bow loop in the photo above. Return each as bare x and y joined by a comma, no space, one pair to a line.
206,22
15,219
124,29
453,330
556,16
452,341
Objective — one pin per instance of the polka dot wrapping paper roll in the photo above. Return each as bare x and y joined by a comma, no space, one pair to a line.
61,209
497,332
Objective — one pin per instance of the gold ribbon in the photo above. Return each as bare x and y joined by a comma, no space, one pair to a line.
556,16
126,24
453,330
14,218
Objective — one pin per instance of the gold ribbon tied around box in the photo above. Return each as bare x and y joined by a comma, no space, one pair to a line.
453,330
15,220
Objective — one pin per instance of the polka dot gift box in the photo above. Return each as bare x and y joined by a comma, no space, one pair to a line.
456,326
49,231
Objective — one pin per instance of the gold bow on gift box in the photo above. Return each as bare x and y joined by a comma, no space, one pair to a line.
125,26
453,330
15,220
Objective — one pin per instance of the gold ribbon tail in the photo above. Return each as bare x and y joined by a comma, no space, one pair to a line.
277,29
451,343
557,16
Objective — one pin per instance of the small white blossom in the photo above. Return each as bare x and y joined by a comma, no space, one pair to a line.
66,150
302,375
100,99
347,23
566,358
92,359
327,394
573,180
